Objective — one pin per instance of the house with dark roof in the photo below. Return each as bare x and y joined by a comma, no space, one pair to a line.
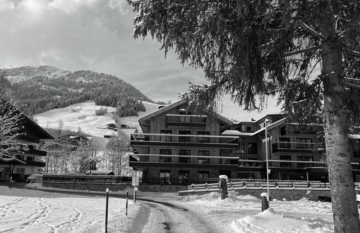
28,159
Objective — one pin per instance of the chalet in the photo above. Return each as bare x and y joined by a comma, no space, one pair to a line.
28,160
178,147
75,140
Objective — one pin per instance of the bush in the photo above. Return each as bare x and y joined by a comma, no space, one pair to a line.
101,111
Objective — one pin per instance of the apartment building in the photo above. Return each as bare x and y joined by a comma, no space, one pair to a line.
178,147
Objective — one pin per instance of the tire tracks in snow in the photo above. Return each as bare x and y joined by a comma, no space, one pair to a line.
177,219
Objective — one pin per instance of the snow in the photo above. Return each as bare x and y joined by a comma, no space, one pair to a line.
23,210
83,115
240,213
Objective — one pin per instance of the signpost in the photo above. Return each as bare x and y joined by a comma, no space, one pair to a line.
135,182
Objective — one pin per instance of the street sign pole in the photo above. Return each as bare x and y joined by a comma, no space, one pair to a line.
267,160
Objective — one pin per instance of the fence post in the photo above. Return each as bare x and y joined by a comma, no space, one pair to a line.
135,193
264,201
107,208
127,197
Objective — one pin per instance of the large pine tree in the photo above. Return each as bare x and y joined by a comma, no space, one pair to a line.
255,48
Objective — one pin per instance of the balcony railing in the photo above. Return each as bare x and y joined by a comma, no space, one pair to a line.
297,147
186,120
184,140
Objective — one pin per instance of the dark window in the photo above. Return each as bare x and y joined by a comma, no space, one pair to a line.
304,143
203,175
356,154
305,159
203,139
19,157
165,138
183,177
283,130
20,171
248,129
165,159
203,160
252,148
29,158
228,153
242,175
184,139
184,159
285,157
284,143
165,177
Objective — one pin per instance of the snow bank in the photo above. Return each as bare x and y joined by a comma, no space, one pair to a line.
270,221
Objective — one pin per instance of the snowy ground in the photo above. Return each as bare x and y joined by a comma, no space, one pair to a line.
36,211
83,115
243,214
39,211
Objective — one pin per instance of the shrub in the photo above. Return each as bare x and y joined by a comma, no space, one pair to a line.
101,111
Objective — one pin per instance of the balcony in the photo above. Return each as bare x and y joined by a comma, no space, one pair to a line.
168,140
184,161
297,147
186,120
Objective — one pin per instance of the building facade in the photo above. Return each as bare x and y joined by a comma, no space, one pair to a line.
30,159
177,147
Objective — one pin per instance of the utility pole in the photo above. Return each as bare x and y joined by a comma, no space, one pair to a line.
267,160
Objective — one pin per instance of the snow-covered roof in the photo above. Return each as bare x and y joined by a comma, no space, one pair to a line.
238,133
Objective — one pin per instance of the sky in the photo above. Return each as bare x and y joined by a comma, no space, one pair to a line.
96,35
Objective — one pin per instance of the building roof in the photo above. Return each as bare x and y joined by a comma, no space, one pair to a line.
12,161
103,172
29,124
173,105
238,133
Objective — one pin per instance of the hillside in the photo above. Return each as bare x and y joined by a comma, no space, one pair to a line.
82,115
44,88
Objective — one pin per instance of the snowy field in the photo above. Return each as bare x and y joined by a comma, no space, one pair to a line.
240,214
34,211
83,115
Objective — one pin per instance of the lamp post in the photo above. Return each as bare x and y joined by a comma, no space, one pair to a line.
267,160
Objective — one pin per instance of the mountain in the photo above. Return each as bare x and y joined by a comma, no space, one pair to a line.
43,88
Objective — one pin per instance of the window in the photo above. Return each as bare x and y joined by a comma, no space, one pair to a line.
243,175
241,148
285,157
248,128
356,154
203,160
165,159
165,138
252,148
283,130
184,159
183,177
19,157
203,175
304,143
228,153
284,143
28,158
185,139
165,177
203,139
305,159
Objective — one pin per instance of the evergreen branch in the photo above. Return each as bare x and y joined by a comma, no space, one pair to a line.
352,80
302,51
351,85
312,31
352,52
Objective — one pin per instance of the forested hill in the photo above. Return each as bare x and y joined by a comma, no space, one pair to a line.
44,88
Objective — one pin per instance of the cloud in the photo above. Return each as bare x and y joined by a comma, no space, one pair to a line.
92,35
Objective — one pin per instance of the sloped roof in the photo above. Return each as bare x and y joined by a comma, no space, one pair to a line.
43,134
12,161
173,105
238,133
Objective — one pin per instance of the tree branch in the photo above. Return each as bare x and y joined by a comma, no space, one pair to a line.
312,31
351,85
352,80
302,51
352,52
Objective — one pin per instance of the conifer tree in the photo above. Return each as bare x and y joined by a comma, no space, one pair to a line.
252,49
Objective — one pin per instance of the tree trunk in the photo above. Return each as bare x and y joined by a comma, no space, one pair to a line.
345,210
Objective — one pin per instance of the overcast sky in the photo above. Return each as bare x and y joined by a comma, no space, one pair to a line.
97,35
